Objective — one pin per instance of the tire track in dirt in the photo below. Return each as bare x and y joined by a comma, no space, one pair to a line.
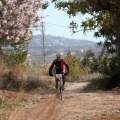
50,110
46,109
76,106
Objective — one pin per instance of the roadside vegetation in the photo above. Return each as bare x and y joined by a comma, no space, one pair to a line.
102,72
17,76
17,83
105,21
23,77
26,77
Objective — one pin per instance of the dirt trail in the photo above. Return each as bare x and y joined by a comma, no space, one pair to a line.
76,106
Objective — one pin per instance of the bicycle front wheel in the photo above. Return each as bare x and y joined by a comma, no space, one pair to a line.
61,92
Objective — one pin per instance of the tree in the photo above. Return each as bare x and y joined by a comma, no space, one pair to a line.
73,62
90,61
105,16
16,16
16,54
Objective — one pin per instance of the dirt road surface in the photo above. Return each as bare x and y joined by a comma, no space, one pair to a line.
76,105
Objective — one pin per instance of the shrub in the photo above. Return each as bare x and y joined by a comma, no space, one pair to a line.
76,71
100,84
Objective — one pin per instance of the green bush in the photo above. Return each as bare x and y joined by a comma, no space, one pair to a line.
100,84
11,82
1,101
33,83
76,71
16,57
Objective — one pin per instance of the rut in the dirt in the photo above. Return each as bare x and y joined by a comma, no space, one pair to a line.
76,106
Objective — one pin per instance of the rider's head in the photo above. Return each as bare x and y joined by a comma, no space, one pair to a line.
59,56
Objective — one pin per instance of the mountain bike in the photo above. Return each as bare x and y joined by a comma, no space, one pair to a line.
60,86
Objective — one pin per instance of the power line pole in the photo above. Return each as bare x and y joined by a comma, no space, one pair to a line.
43,41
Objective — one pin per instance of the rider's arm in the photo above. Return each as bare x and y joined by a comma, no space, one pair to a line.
50,70
66,65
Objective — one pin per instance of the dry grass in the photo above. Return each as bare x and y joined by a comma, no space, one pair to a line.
23,77
9,101
3,67
89,77
83,77
26,78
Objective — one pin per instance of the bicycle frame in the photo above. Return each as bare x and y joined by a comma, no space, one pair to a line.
60,85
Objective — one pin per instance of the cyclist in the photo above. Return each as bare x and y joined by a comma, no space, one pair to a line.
61,67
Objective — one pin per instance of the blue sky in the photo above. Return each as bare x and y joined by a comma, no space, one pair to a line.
57,22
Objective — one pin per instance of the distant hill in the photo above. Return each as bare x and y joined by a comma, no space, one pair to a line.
55,44
60,41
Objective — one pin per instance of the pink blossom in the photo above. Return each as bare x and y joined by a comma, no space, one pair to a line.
16,40
6,32
8,38
18,14
1,4
0,36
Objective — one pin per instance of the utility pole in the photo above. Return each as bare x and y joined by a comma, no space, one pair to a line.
43,41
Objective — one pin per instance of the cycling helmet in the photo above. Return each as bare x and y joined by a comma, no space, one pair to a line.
58,55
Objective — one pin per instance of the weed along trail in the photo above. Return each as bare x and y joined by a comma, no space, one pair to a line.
77,105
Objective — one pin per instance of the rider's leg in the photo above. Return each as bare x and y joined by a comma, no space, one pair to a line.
56,86
63,82
63,78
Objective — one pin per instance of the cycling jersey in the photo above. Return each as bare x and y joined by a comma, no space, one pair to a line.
59,66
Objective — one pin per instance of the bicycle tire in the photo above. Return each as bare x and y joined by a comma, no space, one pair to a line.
61,92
